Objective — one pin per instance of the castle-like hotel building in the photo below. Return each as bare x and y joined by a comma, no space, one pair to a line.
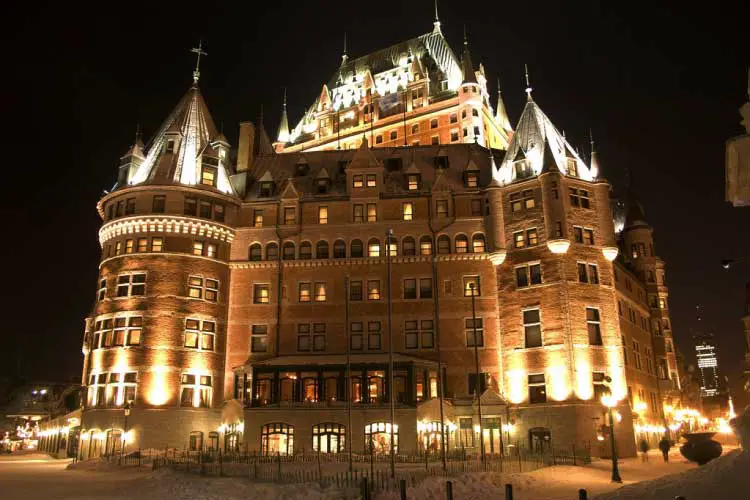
402,241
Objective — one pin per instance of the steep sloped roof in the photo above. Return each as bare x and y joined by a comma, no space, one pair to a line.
192,128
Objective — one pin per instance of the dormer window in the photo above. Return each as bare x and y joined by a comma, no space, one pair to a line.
208,176
322,186
266,189
170,146
442,162
413,181
371,180
471,179
572,168
358,181
523,169
302,168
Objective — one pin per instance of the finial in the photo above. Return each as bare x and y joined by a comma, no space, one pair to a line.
199,51
436,24
344,56
137,132
591,138
284,103
528,85
498,86
466,38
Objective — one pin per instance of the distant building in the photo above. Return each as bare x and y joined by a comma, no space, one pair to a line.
708,364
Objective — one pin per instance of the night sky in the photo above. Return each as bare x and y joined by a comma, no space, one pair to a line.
660,87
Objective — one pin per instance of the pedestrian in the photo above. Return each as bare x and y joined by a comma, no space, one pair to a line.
644,450
664,446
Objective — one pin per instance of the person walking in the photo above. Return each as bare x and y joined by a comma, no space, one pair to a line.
644,450
664,446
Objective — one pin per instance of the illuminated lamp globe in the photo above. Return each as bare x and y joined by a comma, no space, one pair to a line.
498,257
610,253
559,246
609,401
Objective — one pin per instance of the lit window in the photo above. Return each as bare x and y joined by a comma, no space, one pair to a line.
408,211
142,245
472,286
532,327
196,390
478,244
372,212
211,250
413,182
371,180
329,437
157,244
131,285
257,218
588,236
358,181
462,244
305,292
471,326
472,180
373,248
373,290
537,389
572,168
593,324
320,292
277,439
519,240
378,437
323,215
208,176
261,294
531,237
203,288
259,338
118,248
200,334
197,248
128,331
128,246
290,215
425,245
441,207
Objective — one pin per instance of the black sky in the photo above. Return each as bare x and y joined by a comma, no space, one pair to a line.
659,83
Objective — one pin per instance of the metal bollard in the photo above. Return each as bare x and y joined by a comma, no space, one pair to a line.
364,490
449,490
582,494
508,492
402,488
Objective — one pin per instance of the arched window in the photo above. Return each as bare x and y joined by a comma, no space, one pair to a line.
357,248
287,252
256,252
378,437
305,250
392,245
443,244
339,249
474,112
477,244
425,245
462,244
373,248
408,246
321,250
277,439
328,438
272,251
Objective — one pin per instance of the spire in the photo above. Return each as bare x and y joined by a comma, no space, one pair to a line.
466,67
436,29
283,135
528,85
199,51
501,115
594,165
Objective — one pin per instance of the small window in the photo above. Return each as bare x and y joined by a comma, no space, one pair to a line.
158,206
413,182
394,135
142,245
588,236
372,212
305,250
407,210
443,244
357,249
472,180
261,294
358,213
288,251
371,180
323,215
478,243
157,244
255,253
373,289
320,292
130,206
131,285
433,123
408,247
454,118
454,135
593,324
290,215
379,139
537,389
200,334
257,218
473,326
410,288
208,176
530,274
462,244
474,112
472,286
441,207
373,248
321,250
355,290
415,128
532,327
339,249
476,208
425,245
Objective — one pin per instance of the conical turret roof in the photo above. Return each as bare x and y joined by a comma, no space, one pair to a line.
501,115
467,68
537,140
283,135
192,129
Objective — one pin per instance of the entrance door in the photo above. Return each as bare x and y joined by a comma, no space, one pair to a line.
540,439
493,440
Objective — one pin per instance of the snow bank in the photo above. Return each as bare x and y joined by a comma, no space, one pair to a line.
724,477
95,465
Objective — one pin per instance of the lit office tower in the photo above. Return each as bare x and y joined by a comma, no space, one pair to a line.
705,352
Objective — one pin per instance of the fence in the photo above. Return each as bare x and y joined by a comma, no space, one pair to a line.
332,470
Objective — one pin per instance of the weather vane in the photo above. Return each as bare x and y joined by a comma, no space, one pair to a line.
199,51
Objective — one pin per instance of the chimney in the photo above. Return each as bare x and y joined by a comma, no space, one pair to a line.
245,151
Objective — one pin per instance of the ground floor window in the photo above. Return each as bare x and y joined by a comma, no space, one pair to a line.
213,440
329,438
429,436
195,442
277,439
378,437
465,432
113,443
493,441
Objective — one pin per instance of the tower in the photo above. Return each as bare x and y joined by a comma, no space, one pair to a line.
154,340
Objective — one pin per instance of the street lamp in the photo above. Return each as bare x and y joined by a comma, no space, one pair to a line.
476,367
610,402
126,412
389,237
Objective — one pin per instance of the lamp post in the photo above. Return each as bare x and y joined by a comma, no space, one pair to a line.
610,402
126,412
389,236
477,385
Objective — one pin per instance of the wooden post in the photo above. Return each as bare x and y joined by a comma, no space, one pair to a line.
364,490
574,454
402,488
582,494
508,492
449,490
